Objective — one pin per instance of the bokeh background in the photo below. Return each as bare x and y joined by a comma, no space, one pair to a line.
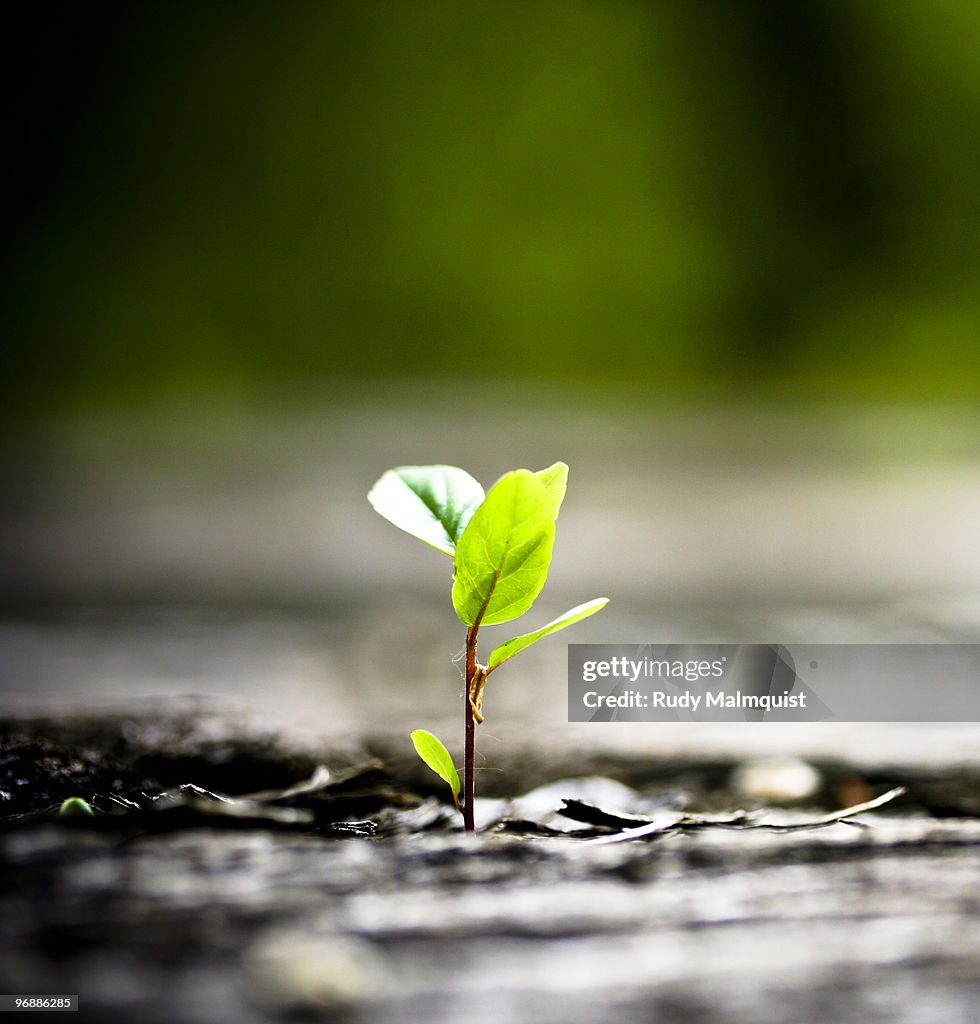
700,197
722,258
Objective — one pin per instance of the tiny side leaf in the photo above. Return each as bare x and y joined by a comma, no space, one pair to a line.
507,650
435,755
76,807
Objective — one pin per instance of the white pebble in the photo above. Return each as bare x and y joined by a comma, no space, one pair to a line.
775,780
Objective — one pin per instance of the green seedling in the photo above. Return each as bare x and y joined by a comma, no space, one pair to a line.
75,807
501,544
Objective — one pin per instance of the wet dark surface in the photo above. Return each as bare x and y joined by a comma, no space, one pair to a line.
369,904
230,555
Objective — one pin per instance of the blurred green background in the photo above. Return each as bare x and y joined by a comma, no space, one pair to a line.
708,199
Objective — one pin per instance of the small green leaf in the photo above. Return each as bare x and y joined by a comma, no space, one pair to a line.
76,807
555,480
433,503
583,611
437,758
502,558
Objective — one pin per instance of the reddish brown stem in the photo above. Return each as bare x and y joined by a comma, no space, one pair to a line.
469,744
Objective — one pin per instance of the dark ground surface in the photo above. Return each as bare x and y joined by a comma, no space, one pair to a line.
361,900
232,555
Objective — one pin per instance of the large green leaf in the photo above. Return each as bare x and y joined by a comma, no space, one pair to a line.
435,755
583,611
433,503
502,558
555,480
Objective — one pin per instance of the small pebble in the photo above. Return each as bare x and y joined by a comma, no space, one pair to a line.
781,780
323,973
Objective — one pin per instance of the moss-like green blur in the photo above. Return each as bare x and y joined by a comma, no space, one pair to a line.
754,196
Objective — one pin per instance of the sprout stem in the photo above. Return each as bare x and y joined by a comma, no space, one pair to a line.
469,746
